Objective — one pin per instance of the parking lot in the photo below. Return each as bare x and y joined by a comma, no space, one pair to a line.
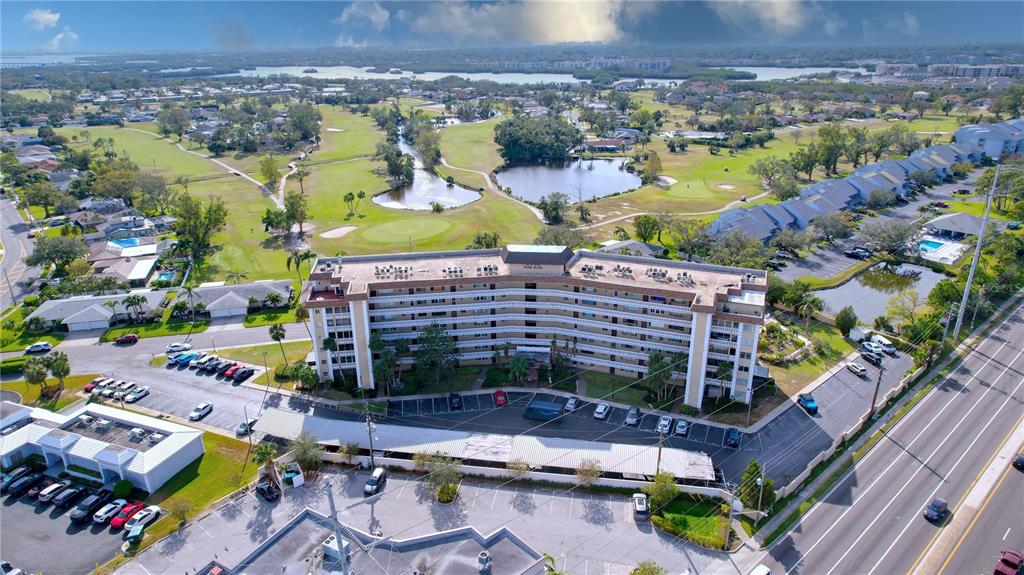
39,538
595,532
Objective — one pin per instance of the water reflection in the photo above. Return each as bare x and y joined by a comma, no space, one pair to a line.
593,178
427,187
870,291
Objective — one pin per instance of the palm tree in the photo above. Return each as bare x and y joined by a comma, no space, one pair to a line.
60,367
277,333
35,374
302,314
301,173
180,308
517,369
112,304
190,292
809,305
298,258
273,299
237,276
263,455
135,302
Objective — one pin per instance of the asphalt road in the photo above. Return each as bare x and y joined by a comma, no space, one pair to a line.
998,526
17,245
870,521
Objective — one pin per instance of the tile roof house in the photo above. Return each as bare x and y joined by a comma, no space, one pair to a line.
81,313
233,300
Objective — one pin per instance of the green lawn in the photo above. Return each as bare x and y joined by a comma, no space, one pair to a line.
253,354
345,135
698,521
37,94
18,339
794,377
30,393
615,388
156,330
461,380
220,470
471,146
264,318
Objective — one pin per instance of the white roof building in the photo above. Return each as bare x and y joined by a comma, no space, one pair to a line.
116,444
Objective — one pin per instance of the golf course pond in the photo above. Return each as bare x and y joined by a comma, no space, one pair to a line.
427,188
593,178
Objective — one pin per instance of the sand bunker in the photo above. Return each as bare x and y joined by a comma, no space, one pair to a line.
337,232
335,130
726,187
667,180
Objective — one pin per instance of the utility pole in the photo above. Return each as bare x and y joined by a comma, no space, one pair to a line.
874,396
728,527
760,494
661,441
369,432
977,256
248,434
336,528
14,298
946,319
266,390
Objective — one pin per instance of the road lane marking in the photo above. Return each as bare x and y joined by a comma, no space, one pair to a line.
906,418
967,492
927,459
493,499
1007,533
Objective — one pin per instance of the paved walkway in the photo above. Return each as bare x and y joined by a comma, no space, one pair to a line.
581,384
481,378
726,207
494,189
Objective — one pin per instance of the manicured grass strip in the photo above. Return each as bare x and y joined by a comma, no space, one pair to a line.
612,388
253,354
30,393
269,317
701,522
156,330
18,339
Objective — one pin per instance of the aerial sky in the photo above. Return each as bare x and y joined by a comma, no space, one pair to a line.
87,26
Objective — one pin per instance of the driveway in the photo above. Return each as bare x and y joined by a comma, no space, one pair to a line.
17,246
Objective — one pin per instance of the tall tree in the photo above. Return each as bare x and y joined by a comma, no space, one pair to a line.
738,248
484,241
195,223
437,355
297,258
809,305
277,333
296,208
645,227
846,320
301,173
270,171
153,195
117,183
60,366
770,170
58,251
42,194
173,121
691,237
35,373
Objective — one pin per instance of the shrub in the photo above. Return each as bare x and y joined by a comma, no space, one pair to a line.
84,471
447,492
518,468
13,365
283,372
122,489
347,451
420,461
179,509
30,302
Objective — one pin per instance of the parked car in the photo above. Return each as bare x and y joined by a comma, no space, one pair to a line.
500,399
732,438
126,513
92,384
67,497
87,508
180,346
7,569
884,343
1018,461
1014,225
230,372
378,479
200,411
268,490
181,359
664,424
872,347
601,411
9,478
127,339
144,517
572,404
245,427
633,416
782,255
855,254
682,428
1011,562
39,347
937,510
125,390
103,385
857,369
109,511
454,401
38,488
196,361
872,358
243,374
224,366
641,511
942,205
807,402
136,394
21,486
112,390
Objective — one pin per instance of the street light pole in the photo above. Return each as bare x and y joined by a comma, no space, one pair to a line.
760,494
874,396
661,441
14,298
266,390
977,256
369,433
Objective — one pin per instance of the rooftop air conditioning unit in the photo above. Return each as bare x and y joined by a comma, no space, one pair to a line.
103,425
138,434
155,437
330,548
86,420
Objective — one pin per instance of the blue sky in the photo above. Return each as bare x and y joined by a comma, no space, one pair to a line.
84,26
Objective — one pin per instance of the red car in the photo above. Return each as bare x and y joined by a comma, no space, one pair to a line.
126,513
231,370
127,339
500,399
92,384
1010,563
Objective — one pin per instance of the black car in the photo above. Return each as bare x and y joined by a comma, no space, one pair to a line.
243,374
13,476
937,510
69,496
268,490
872,358
1018,461
732,438
90,505
21,486
855,254
221,369
454,401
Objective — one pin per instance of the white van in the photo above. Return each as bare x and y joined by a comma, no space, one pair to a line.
760,570
887,345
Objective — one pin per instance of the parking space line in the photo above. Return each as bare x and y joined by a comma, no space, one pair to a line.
139,563
401,489
203,529
493,499
572,498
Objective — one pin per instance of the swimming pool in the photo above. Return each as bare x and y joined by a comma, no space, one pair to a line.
165,276
126,242
930,245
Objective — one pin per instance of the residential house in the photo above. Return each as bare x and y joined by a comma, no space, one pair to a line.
87,312
221,301
606,145
129,223
994,140
134,271
62,178
957,226
627,85
803,215
102,205
87,219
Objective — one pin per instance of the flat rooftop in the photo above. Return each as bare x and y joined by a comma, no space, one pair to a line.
118,433
701,281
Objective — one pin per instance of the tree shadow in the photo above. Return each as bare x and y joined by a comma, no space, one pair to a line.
598,512
524,503
448,516
174,542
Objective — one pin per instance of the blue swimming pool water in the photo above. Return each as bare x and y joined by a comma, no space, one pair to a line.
930,245
165,276
126,242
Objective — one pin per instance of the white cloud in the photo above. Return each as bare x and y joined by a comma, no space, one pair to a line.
776,18
891,27
534,21
908,24
60,41
346,41
358,13
40,19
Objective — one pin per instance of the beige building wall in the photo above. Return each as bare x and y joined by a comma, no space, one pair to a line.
698,359
361,340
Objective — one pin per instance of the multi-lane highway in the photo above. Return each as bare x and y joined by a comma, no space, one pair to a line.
871,520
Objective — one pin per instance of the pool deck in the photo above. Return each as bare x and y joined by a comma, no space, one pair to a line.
948,252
